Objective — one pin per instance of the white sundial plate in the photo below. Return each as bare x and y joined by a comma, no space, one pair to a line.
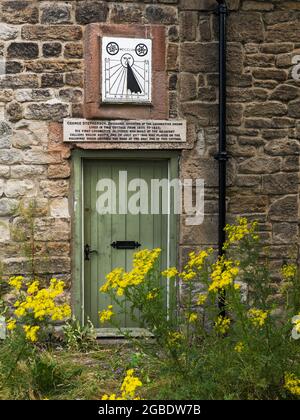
126,70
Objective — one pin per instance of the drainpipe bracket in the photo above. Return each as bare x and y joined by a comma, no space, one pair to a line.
222,156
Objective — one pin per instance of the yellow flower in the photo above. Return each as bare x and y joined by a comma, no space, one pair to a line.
129,385
152,294
174,337
222,324
188,275
257,317
11,324
33,287
193,317
223,274
296,321
16,282
236,233
289,271
20,311
106,314
31,332
202,297
143,262
239,347
170,272
292,383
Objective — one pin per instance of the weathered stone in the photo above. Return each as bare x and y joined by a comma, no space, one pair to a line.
50,66
294,109
290,164
18,12
52,229
284,32
207,94
17,188
173,79
259,60
274,134
202,5
205,234
283,183
5,129
282,147
8,206
188,26
284,209
27,171
265,109
257,6
56,13
235,58
54,188
36,157
130,14
1,187
205,28
19,81
248,204
71,95
163,15
73,50
245,27
276,48
273,74
198,57
8,32
4,230
285,233
282,122
52,80
74,79
59,171
173,35
59,207
48,32
23,50
52,49
14,111
91,11
247,95
172,57
6,95
33,95
248,181
260,165
4,171
206,113
285,93
54,112
194,167
13,67
284,60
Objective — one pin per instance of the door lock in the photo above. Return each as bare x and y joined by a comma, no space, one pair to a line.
88,251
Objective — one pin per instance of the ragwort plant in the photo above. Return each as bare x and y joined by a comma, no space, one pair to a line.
248,353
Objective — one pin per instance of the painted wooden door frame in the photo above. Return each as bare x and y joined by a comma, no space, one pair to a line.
78,156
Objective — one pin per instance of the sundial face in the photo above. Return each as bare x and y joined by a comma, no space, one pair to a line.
126,70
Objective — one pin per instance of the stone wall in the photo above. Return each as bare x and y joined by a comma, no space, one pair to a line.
42,45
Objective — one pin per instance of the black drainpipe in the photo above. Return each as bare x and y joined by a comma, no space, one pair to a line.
222,156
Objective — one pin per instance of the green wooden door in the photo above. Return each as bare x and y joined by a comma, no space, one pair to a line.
101,230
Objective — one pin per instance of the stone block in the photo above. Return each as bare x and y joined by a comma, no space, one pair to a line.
19,12
284,209
91,11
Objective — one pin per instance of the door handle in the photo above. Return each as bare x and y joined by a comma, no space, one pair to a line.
88,251
125,244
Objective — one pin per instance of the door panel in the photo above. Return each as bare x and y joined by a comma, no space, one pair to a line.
100,230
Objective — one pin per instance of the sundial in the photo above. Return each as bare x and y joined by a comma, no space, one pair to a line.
126,70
